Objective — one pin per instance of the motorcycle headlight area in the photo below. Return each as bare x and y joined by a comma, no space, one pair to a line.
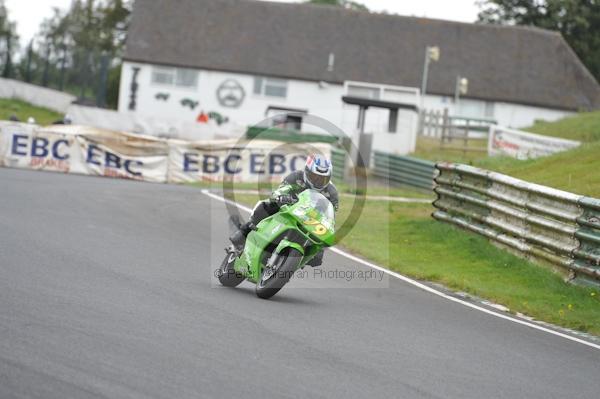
318,227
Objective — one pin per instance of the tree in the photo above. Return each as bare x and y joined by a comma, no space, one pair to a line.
9,40
352,5
52,45
76,48
577,20
114,22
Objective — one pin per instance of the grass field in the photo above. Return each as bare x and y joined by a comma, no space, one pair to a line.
430,148
576,171
23,111
583,127
373,189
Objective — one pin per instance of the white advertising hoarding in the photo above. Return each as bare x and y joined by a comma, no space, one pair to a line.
237,161
89,151
524,145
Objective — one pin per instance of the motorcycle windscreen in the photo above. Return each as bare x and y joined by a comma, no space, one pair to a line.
321,204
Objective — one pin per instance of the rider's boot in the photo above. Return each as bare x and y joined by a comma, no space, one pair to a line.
317,260
238,239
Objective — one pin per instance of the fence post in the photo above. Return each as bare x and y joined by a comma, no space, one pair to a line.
466,138
28,65
101,91
63,68
445,127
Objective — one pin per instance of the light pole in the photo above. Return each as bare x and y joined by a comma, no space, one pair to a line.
462,87
432,53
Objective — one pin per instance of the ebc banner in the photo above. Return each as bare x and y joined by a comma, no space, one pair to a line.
24,146
121,161
237,161
86,150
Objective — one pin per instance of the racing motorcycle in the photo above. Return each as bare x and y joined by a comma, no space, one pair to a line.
281,244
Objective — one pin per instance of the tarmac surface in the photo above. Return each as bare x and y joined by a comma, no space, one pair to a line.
107,291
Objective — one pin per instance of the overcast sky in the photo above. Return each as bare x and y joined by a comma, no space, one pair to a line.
30,13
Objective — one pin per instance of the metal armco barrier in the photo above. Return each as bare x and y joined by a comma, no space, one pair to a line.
338,159
404,170
542,223
288,135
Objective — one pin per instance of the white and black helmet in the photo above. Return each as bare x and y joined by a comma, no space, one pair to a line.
317,172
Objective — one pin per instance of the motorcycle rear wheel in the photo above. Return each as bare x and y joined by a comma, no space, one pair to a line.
271,281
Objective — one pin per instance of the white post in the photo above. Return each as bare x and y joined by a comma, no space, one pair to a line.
432,53
425,76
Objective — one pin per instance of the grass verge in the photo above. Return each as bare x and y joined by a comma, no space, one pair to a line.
23,111
404,238
431,149
584,127
576,171
373,189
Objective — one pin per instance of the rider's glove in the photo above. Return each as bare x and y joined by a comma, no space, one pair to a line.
286,200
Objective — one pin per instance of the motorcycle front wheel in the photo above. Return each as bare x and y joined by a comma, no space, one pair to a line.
274,278
227,274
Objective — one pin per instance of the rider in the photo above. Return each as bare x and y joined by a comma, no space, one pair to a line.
316,175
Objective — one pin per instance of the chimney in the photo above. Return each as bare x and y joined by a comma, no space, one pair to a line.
331,63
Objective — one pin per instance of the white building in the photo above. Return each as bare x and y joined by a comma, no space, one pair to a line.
239,62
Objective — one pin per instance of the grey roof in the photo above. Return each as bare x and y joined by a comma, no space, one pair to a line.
513,64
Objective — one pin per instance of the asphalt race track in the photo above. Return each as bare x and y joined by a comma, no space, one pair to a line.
106,291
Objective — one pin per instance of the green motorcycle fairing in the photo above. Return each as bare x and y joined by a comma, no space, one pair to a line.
307,226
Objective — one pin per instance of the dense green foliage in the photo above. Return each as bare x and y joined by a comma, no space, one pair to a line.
9,41
75,50
577,20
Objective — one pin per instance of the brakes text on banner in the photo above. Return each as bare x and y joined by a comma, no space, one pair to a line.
25,146
248,161
105,160
524,145
90,151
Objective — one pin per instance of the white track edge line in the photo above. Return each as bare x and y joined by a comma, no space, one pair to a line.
427,288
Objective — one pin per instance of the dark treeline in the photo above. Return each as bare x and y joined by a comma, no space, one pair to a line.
76,50
9,41
577,20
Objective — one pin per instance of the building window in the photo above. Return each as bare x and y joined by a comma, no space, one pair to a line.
180,77
489,110
393,121
288,122
270,87
372,93
163,76
286,118
186,78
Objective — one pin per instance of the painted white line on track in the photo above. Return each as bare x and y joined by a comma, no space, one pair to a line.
404,200
428,288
